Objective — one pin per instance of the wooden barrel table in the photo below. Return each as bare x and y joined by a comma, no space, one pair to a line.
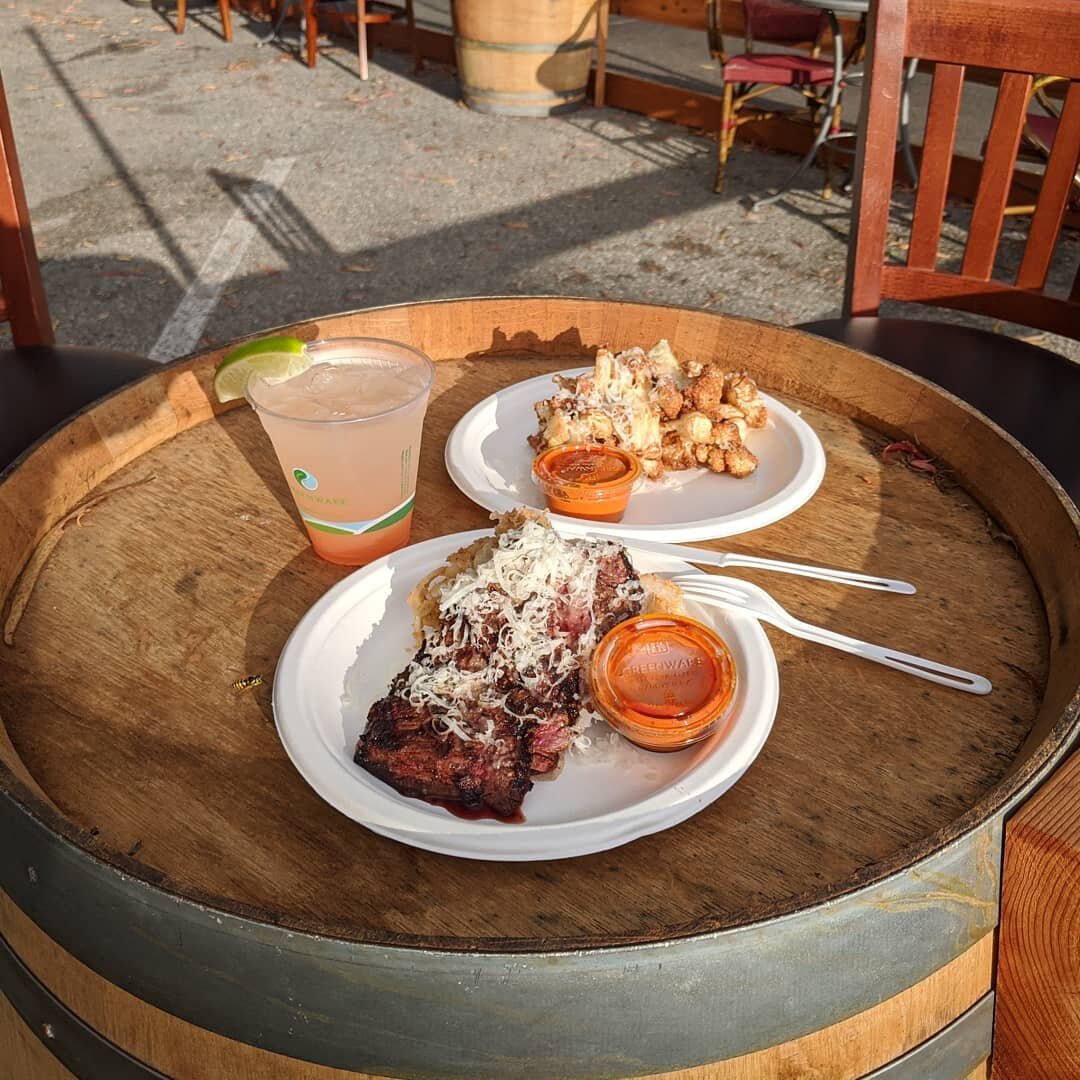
177,901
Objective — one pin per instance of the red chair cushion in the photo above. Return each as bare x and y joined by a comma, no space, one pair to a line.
1043,127
780,69
782,22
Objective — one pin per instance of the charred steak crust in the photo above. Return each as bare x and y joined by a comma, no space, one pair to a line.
401,748
405,746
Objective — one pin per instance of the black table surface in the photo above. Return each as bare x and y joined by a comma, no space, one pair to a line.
42,385
1034,394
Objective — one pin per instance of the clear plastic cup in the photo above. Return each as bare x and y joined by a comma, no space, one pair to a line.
347,436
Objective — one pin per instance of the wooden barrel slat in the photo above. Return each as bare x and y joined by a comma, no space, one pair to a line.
121,730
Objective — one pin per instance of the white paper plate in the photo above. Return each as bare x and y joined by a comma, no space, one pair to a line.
490,461
344,652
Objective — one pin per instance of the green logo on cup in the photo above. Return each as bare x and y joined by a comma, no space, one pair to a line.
305,479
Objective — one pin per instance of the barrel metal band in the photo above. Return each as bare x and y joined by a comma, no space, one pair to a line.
78,1047
551,49
952,1054
510,96
392,1010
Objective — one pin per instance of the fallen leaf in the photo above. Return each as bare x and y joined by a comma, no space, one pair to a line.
240,65
515,224
444,179
356,268
235,157
207,87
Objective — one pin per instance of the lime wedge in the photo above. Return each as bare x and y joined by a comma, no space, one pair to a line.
273,359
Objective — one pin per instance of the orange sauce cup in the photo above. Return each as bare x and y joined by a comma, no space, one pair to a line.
587,481
665,682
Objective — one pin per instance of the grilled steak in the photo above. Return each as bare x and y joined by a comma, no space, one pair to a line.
402,749
493,696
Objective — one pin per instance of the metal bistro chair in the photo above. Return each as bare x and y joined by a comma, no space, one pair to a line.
749,75
1031,392
1040,130
41,384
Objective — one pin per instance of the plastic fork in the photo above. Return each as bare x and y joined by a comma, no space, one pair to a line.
741,595
704,557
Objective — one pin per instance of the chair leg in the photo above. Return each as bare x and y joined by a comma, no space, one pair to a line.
410,20
181,15
830,155
226,18
311,32
727,135
361,37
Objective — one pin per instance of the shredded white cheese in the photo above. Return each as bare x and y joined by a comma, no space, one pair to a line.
533,584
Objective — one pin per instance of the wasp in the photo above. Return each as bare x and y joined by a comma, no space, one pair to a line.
247,683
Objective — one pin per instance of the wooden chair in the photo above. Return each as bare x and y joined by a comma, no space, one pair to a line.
749,75
223,7
368,13
40,383
1032,393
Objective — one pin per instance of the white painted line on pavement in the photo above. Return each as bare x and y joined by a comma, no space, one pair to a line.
182,331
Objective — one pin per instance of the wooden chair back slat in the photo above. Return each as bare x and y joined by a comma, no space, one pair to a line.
1054,196
1039,38
879,115
941,119
1002,146
24,304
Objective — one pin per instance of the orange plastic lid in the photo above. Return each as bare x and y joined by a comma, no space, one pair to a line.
663,681
587,480
587,470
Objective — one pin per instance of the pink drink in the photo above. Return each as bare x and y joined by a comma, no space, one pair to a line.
347,436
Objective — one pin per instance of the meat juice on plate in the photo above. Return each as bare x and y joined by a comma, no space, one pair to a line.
347,436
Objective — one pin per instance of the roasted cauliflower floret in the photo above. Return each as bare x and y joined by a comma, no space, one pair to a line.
715,459
693,427
676,452
706,392
669,397
740,462
742,392
726,435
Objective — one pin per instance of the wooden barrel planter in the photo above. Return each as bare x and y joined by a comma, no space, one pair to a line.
177,901
523,58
